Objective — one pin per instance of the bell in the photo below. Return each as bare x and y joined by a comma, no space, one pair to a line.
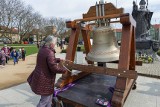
104,48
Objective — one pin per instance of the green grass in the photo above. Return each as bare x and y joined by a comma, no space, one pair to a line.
18,45
82,48
30,48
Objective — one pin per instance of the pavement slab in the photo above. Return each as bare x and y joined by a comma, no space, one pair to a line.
147,94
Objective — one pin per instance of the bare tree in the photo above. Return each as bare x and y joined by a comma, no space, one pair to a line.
14,14
8,15
27,22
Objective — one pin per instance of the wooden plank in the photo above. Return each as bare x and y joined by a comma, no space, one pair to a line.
128,19
133,51
72,46
109,8
102,70
124,62
71,24
138,63
130,82
124,59
87,43
102,17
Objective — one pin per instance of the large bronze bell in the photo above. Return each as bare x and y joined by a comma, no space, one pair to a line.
104,48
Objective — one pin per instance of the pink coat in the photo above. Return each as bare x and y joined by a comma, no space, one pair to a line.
2,56
6,51
42,79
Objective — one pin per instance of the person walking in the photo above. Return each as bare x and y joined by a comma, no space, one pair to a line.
7,52
42,79
14,55
19,53
23,54
2,58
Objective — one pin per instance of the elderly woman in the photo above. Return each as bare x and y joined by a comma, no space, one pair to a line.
2,58
42,78
7,52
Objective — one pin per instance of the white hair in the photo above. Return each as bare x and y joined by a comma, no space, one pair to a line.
48,40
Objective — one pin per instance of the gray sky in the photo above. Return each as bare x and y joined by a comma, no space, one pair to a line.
73,9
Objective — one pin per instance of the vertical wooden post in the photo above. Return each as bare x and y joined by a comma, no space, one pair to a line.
87,43
124,62
71,51
86,38
133,51
70,55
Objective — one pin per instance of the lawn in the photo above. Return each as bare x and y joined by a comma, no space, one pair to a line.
30,49
17,45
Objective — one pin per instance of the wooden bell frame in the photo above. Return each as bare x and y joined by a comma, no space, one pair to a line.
127,50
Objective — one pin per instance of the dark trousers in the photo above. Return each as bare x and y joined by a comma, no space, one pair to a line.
6,59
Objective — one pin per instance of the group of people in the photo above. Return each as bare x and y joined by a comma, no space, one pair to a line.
6,53
61,43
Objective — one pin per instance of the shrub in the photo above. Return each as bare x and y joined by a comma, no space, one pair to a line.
63,51
158,53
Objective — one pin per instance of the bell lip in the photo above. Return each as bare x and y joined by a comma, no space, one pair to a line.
102,59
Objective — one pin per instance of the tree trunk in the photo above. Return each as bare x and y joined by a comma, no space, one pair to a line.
20,41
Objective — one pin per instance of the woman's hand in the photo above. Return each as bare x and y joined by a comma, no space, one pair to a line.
63,63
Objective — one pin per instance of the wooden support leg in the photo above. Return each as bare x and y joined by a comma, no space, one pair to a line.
87,43
71,51
123,85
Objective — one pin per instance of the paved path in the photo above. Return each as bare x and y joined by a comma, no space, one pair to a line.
15,74
11,74
151,70
147,94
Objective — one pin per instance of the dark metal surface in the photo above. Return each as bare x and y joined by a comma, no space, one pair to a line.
143,18
88,89
146,44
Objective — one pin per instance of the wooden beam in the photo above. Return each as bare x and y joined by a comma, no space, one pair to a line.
70,55
102,70
138,63
87,43
71,50
124,62
102,17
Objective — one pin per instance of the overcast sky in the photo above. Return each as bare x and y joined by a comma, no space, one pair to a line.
73,9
